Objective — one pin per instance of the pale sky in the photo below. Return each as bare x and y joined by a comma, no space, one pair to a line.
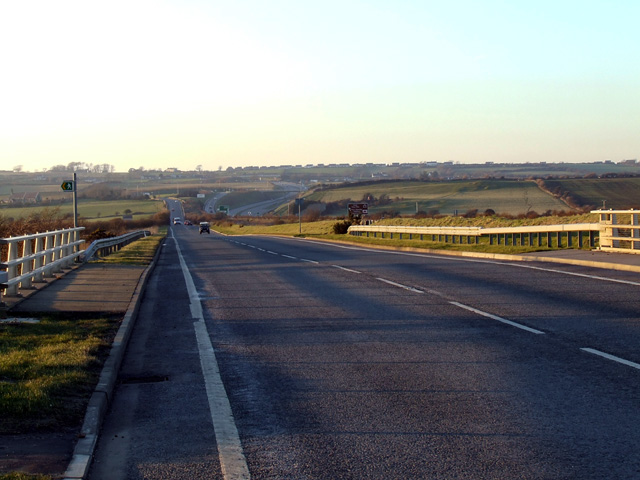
181,83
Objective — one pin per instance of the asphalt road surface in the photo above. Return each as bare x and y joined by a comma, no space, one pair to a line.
272,358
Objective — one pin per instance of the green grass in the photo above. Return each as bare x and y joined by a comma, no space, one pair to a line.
49,369
490,221
94,210
324,227
140,252
618,193
502,196
241,198
23,476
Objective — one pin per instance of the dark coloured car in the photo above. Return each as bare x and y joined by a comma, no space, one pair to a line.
204,227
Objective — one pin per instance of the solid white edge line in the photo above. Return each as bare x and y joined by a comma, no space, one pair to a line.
345,269
499,319
611,357
232,460
399,285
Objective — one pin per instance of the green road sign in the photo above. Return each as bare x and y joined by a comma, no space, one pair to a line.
223,208
67,186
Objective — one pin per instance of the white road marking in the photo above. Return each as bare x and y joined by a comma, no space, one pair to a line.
611,357
232,460
261,249
272,253
499,319
400,285
289,256
477,260
345,269
308,261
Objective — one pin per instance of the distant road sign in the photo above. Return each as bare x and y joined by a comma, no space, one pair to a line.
358,208
223,208
67,186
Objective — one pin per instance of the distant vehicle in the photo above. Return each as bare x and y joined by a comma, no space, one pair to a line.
177,221
204,227
188,222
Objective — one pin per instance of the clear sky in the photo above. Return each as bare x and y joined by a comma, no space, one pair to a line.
181,83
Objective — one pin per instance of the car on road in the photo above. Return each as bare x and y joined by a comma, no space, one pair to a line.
177,221
204,227
188,222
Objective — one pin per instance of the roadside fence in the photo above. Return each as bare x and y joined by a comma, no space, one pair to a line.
33,258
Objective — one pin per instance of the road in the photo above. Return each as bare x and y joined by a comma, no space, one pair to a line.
317,361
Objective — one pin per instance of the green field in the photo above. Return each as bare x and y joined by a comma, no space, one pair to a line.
94,209
617,193
238,199
502,196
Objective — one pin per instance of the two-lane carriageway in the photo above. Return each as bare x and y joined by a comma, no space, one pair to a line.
347,362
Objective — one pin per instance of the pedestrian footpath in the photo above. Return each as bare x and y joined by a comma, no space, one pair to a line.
95,288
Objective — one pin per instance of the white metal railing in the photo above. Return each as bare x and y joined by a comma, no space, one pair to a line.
620,230
30,258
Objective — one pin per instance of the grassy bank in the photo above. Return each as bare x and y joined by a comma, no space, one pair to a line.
140,252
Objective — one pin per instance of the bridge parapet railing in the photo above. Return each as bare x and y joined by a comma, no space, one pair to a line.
564,236
620,230
31,258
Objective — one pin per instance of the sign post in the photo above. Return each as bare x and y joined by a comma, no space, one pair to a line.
356,210
71,186
299,204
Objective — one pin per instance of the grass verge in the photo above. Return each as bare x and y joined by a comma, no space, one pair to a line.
23,476
140,252
49,369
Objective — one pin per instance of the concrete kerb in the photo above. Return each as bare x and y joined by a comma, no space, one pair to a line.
80,462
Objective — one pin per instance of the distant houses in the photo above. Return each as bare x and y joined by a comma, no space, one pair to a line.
25,198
